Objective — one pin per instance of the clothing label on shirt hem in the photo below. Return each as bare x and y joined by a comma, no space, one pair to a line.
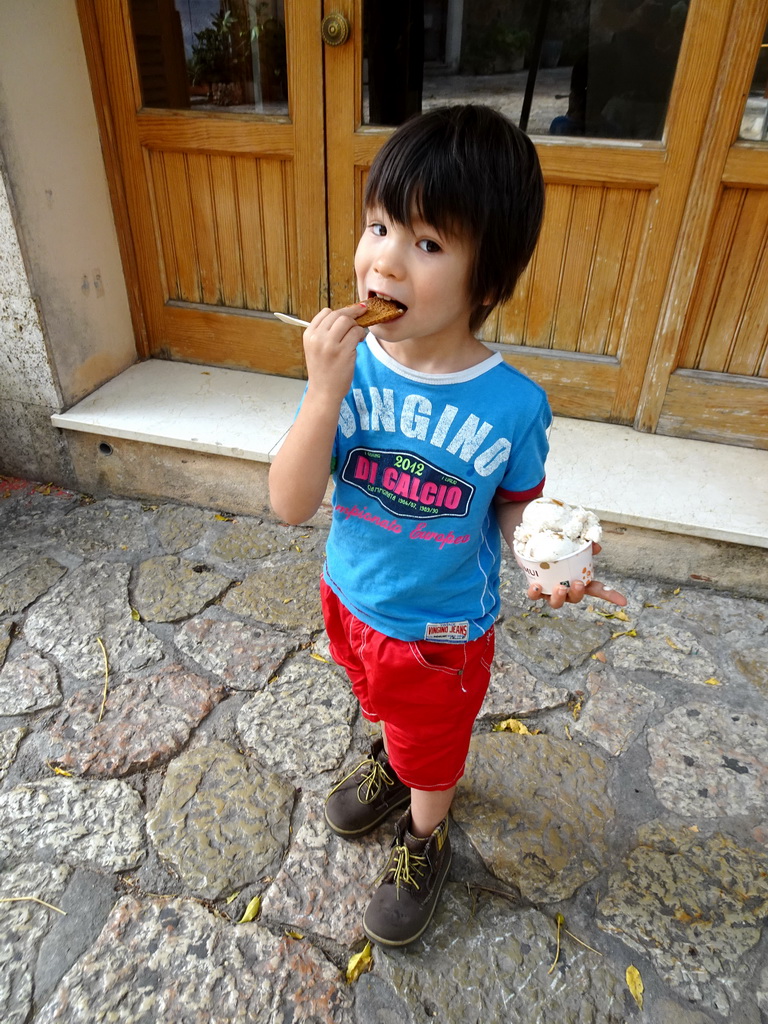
447,631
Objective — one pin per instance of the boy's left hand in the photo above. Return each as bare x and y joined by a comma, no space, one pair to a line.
577,591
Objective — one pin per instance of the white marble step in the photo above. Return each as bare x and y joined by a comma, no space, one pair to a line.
664,483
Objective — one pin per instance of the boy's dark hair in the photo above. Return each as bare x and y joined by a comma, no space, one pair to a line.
467,170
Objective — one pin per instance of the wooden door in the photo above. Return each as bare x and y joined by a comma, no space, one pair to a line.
221,214
708,372
583,318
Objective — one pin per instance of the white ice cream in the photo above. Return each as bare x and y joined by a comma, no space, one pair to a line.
552,530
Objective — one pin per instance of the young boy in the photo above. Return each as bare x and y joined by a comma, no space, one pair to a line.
436,446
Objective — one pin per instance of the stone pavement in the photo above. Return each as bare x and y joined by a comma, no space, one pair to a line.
628,828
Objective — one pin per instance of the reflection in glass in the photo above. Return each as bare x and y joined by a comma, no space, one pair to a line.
212,54
600,68
754,123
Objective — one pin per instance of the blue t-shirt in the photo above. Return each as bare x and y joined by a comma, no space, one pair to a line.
414,548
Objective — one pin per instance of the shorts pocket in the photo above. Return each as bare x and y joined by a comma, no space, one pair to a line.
447,658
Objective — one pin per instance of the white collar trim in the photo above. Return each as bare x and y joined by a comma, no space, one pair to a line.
459,377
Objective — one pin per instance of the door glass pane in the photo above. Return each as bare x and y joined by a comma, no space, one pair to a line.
600,68
211,54
754,123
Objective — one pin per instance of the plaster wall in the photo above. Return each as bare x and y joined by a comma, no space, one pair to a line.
29,445
61,237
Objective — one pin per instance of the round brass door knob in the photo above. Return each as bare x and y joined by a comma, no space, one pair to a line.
335,30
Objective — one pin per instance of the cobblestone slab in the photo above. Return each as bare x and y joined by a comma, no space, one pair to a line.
146,721
707,761
23,926
300,724
104,527
9,744
616,711
87,903
179,527
219,822
695,906
28,683
325,882
91,602
30,521
555,643
248,540
536,810
485,960
243,655
174,961
94,824
169,588
289,598
25,584
514,691
10,558
673,652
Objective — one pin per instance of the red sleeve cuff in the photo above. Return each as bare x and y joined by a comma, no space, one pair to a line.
534,492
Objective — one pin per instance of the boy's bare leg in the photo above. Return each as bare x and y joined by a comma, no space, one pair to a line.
428,808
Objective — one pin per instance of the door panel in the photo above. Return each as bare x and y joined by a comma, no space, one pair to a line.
708,370
719,390
212,195
646,298
583,317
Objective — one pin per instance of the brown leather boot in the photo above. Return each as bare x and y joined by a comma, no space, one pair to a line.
364,797
404,903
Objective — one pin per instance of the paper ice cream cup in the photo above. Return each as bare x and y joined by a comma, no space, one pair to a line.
548,575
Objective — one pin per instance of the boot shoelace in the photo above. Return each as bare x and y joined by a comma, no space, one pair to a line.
372,782
404,864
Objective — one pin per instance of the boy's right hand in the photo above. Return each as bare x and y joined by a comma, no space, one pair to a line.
330,346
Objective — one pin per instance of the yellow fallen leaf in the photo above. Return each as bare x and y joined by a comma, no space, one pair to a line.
712,681
319,657
232,897
635,985
359,963
58,771
576,703
223,519
516,726
676,592
560,922
294,934
626,632
251,911
600,656
619,614
297,547
672,644
32,899
106,676
647,604
135,615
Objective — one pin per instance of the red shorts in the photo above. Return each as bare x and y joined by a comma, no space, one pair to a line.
427,694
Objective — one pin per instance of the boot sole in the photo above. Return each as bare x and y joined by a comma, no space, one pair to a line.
412,938
354,833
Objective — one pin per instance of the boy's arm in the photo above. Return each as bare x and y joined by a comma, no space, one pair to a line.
299,473
509,515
